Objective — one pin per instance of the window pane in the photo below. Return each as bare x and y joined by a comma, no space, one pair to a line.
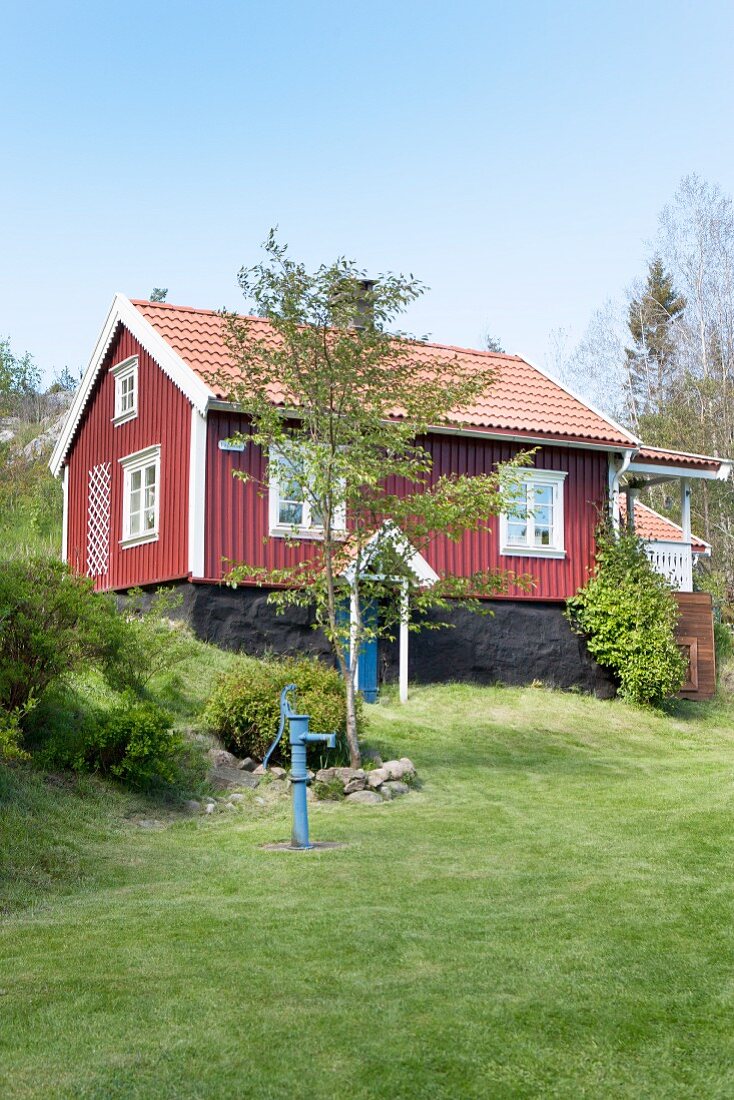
135,523
135,501
517,533
149,519
290,512
543,515
543,495
543,536
150,475
135,480
150,497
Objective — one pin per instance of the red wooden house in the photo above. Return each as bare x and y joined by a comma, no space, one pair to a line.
149,497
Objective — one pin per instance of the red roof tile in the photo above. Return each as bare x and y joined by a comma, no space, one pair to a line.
651,525
522,400
659,456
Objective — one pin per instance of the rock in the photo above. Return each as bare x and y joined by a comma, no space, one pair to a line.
376,778
222,758
357,784
224,777
394,769
408,766
373,756
248,764
366,797
393,789
325,775
236,798
278,773
192,806
210,807
345,774
229,806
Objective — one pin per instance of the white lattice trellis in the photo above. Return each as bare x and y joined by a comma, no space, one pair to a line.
98,520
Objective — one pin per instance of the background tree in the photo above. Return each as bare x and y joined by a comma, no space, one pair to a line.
650,362
159,294
19,381
493,343
337,403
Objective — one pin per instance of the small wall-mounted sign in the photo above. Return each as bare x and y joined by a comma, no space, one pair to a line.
229,445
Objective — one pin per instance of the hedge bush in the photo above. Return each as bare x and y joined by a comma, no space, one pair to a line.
51,623
628,616
244,709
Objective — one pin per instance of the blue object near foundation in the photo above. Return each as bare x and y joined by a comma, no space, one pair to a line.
300,737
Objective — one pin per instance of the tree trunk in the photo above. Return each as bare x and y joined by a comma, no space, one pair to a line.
355,756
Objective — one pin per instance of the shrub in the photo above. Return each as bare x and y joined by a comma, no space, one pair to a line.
51,623
135,743
723,642
147,641
628,615
244,710
11,734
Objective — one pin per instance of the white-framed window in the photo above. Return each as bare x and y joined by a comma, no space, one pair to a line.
292,511
141,496
533,527
126,390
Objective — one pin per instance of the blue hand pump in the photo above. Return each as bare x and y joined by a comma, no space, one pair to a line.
299,739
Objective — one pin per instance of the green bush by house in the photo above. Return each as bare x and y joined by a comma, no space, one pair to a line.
628,616
244,709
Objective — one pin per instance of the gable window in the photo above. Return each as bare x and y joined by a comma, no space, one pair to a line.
533,527
292,510
141,496
126,390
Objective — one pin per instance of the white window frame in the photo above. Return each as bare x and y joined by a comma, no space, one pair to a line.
121,373
141,460
556,480
306,529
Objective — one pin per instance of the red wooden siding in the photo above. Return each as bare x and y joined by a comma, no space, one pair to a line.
237,517
164,417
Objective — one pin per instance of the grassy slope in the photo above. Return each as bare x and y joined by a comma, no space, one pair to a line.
549,916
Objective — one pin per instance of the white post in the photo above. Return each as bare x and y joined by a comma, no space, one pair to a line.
632,495
353,655
65,515
404,636
685,508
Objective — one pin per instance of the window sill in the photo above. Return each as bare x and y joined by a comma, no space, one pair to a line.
531,552
124,417
138,540
296,533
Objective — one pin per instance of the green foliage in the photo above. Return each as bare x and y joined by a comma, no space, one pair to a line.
723,642
244,709
51,623
19,378
11,734
147,641
331,790
628,615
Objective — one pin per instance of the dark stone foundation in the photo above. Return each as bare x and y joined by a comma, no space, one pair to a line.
523,641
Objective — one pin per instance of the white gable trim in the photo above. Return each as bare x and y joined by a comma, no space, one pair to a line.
123,312
415,561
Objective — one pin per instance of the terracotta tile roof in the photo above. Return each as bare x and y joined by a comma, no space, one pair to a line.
522,400
659,456
651,525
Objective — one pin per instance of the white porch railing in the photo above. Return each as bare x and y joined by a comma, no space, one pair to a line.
675,561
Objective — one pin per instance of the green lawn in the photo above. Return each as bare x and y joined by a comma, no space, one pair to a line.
552,914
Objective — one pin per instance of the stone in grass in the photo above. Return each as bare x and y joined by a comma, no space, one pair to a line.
210,807
376,778
325,775
357,784
366,797
221,758
236,798
394,769
393,789
248,764
192,806
408,765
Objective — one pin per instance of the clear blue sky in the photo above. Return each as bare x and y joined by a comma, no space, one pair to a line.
514,156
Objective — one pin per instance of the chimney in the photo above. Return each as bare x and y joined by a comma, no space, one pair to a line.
363,311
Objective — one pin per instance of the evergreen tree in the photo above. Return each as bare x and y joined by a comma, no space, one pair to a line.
650,362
